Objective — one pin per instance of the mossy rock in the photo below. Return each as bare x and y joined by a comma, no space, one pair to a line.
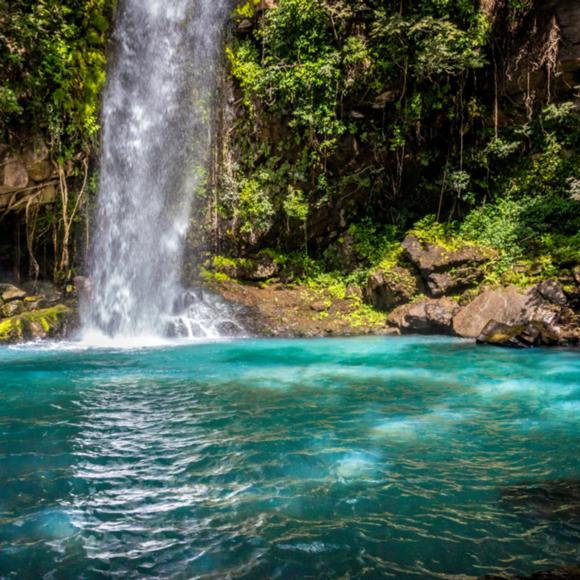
46,323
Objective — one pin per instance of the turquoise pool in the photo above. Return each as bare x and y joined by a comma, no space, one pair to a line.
285,458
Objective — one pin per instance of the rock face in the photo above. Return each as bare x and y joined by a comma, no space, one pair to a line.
447,271
426,316
387,289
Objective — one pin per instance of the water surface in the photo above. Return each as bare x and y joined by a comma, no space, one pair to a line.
272,458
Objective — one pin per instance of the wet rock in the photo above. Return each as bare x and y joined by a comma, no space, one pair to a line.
9,292
387,289
447,271
82,287
558,499
570,335
500,334
426,316
229,328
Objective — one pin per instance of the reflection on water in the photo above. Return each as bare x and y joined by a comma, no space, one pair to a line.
360,457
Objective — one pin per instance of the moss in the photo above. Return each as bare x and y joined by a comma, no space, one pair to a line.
209,277
393,258
11,329
22,327
221,263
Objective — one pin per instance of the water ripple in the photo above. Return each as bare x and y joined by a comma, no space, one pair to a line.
284,459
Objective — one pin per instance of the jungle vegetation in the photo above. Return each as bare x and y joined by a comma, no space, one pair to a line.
351,121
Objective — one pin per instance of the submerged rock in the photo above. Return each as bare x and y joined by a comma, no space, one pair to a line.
565,573
558,499
426,316
40,324
447,271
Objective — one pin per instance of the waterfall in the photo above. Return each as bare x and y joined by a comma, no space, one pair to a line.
156,113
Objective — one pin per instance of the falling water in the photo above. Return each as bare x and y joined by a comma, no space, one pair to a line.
155,142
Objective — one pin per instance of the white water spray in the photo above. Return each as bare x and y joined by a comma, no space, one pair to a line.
155,144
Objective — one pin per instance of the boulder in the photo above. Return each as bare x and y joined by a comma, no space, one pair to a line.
319,306
260,269
425,316
505,305
388,288
9,292
447,271
519,317
39,171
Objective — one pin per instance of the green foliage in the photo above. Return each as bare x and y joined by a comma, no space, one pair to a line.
296,205
429,230
311,65
53,60
254,209
372,242
524,227
390,104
